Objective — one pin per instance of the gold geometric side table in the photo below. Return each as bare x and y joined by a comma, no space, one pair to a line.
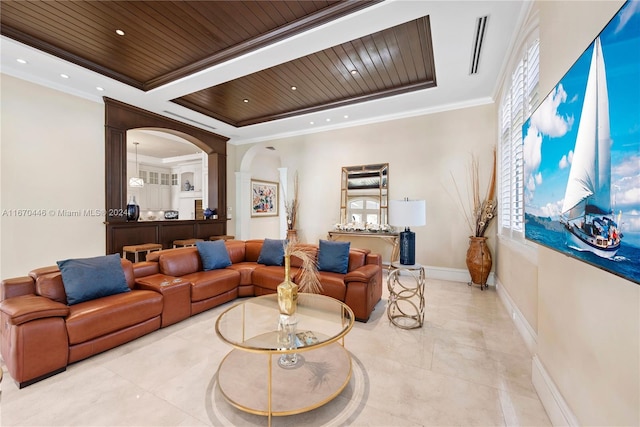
406,298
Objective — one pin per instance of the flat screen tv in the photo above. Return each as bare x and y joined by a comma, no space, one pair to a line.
582,154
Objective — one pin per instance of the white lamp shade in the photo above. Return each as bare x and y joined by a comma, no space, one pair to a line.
407,213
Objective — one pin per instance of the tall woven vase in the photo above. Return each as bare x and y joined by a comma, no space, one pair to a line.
479,261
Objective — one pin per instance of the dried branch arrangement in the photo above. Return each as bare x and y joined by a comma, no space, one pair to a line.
482,211
291,206
308,280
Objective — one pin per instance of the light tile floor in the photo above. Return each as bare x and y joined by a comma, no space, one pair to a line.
466,366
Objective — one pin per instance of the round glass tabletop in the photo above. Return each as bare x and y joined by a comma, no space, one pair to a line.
253,325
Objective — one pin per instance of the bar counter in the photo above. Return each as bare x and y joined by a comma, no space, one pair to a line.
123,233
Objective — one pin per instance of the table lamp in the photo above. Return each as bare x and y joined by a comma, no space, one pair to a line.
407,213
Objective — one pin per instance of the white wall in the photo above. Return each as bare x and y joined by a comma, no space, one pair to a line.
583,321
422,153
52,158
231,185
263,166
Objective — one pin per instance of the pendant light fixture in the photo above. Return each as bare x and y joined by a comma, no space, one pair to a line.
136,181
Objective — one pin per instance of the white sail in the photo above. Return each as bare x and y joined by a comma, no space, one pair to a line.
590,175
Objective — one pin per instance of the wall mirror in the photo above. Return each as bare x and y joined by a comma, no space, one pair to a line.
365,194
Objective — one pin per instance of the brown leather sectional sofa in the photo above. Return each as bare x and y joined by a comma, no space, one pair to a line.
42,334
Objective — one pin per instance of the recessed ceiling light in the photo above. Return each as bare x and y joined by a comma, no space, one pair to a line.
120,32
312,123
354,72
328,120
99,88
64,76
22,61
346,116
245,100
294,88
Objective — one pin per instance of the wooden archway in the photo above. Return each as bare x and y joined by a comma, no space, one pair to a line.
121,117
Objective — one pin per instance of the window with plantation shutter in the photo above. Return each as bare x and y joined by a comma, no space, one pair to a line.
519,100
504,193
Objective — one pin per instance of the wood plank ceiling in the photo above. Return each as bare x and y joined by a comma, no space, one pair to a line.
167,40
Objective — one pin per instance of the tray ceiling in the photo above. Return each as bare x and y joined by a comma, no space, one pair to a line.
163,41
389,62
253,70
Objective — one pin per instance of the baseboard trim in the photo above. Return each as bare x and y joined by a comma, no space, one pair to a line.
453,274
557,409
551,398
527,333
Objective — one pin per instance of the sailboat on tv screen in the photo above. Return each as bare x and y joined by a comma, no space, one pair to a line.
586,211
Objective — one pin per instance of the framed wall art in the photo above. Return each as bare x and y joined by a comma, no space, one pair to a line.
582,154
264,198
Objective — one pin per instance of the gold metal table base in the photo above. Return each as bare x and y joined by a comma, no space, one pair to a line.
323,367
320,376
406,300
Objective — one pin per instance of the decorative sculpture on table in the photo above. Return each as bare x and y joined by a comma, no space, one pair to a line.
287,291
288,297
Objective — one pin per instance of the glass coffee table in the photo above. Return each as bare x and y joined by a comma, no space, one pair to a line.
275,370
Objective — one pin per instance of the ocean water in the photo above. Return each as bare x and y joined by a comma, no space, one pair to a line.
626,263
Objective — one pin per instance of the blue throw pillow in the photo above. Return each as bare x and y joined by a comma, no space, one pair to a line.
333,256
213,254
272,252
85,279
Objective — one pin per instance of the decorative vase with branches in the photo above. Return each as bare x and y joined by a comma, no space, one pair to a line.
291,206
482,210
479,215
308,280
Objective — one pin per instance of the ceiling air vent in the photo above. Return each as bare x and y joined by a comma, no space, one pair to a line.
188,119
481,28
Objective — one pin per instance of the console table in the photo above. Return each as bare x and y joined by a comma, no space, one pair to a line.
389,237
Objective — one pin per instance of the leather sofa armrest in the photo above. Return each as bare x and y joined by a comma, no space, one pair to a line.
362,274
157,282
17,286
26,308
145,268
375,259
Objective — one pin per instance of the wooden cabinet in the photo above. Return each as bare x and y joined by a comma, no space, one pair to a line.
121,234
119,117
